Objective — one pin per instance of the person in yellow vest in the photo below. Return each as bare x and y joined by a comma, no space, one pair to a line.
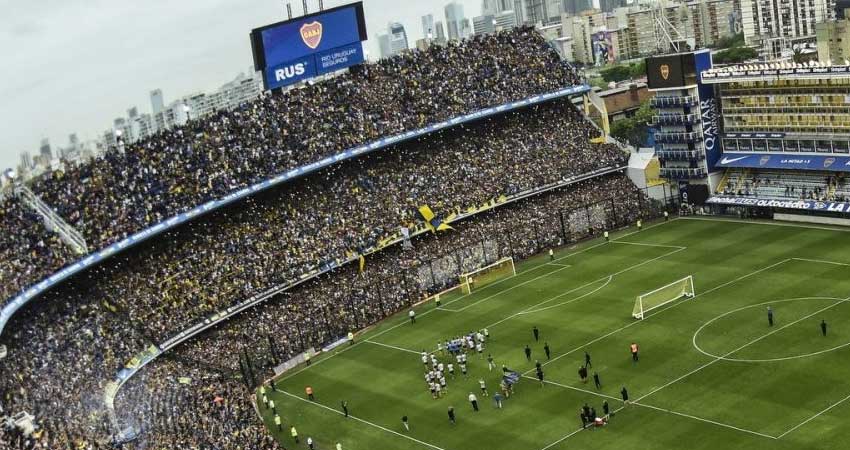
551,255
265,401
350,338
606,237
639,224
294,434
272,407
666,215
307,358
278,422
338,446
262,390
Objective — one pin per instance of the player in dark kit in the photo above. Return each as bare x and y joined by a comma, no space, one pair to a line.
823,327
769,316
582,374
452,415
536,333
596,380
344,405
587,360
546,349
540,375
625,395
528,353
605,408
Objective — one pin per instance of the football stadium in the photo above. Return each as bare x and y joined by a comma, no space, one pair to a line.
443,249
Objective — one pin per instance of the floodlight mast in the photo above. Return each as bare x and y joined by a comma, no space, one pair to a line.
665,41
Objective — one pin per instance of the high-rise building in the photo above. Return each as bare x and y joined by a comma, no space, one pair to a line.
384,45
454,20
132,113
45,151
535,12
493,7
465,28
428,31
440,32
574,7
398,38
157,102
834,40
485,24
775,25
505,20
26,160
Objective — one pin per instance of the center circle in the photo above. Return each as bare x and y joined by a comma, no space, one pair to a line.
765,304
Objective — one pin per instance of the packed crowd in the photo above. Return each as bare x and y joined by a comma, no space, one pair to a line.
791,185
125,191
326,309
61,355
28,251
344,210
330,306
65,346
51,366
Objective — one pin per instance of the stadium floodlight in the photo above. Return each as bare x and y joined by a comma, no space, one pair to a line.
662,296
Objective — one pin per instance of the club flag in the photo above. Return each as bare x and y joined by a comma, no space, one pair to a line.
362,263
433,222
598,140
511,377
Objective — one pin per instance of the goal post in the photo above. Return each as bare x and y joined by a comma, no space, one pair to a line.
663,295
489,274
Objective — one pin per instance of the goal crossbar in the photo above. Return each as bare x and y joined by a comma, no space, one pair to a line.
467,276
656,298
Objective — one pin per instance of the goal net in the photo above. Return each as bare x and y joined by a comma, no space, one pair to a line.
489,274
663,295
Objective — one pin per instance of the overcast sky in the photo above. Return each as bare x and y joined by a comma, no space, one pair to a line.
74,65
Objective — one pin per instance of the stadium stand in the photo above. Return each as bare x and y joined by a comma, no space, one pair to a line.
316,314
125,191
28,251
786,185
65,347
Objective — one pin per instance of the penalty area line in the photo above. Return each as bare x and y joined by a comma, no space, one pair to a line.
814,417
702,419
371,424
657,408
393,347
672,305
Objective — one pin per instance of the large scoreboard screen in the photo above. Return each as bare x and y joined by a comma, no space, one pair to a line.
295,50
671,71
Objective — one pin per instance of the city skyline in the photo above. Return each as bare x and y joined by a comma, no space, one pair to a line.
94,88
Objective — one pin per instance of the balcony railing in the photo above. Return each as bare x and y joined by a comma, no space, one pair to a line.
682,173
676,137
680,155
671,101
674,119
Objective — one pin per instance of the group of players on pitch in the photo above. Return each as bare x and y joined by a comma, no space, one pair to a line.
458,349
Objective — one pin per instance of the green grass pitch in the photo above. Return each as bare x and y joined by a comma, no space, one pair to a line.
712,374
